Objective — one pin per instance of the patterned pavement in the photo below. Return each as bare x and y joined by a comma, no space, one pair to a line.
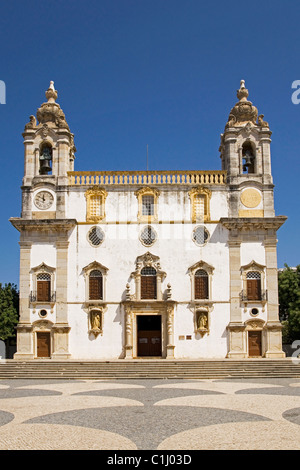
260,414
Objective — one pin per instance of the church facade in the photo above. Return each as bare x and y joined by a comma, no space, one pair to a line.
155,264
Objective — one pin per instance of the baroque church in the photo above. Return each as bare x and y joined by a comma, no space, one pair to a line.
155,264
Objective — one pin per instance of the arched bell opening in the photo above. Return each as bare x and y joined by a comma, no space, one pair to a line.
45,159
249,157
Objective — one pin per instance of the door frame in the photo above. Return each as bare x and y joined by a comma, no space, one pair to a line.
137,335
135,332
43,332
257,332
133,308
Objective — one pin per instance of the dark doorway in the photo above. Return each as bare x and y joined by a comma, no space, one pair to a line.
149,335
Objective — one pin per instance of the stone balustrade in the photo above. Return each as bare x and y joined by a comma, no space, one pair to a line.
87,178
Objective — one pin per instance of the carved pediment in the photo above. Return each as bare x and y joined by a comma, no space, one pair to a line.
95,265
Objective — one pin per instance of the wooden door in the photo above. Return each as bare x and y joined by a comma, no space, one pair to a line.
253,289
201,284
149,335
95,288
149,343
254,343
148,287
43,344
43,291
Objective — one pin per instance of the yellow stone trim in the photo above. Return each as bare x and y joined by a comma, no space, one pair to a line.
90,194
251,198
194,193
147,191
251,213
117,178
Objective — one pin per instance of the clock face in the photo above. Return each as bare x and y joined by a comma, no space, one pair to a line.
43,200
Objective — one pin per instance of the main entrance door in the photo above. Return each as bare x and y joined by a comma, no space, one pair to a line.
254,343
43,344
149,335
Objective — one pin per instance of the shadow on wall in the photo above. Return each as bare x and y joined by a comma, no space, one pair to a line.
2,350
7,351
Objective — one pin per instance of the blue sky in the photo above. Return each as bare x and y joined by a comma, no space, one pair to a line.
132,73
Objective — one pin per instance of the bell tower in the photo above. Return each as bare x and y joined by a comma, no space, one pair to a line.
245,155
49,153
252,226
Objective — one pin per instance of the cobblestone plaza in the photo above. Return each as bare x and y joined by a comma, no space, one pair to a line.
136,415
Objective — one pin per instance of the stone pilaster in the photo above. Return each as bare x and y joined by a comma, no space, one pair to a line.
24,329
236,327
170,332
128,333
273,326
61,327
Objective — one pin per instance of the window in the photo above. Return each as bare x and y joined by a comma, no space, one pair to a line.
96,236
200,204
200,235
148,278
253,281
43,287
95,204
148,236
95,285
95,275
253,285
148,283
201,275
201,284
147,204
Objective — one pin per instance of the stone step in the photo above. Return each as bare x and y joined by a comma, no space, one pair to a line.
121,369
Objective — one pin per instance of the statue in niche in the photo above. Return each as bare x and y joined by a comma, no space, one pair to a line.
202,321
95,317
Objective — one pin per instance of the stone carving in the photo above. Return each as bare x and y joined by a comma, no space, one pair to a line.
96,322
251,197
202,326
261,121
244,111
32,123
51,111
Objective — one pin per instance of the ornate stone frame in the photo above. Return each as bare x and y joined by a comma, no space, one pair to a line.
253,266
42,326
201,307
95,265
147,260
255,324
93,306
95,320
43,268
192,270
206,193
147,191
102,194
163,308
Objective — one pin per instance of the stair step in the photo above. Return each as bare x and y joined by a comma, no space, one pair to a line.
141,369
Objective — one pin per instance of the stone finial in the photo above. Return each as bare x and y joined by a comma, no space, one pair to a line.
242,93
244,111
50,112
51,93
